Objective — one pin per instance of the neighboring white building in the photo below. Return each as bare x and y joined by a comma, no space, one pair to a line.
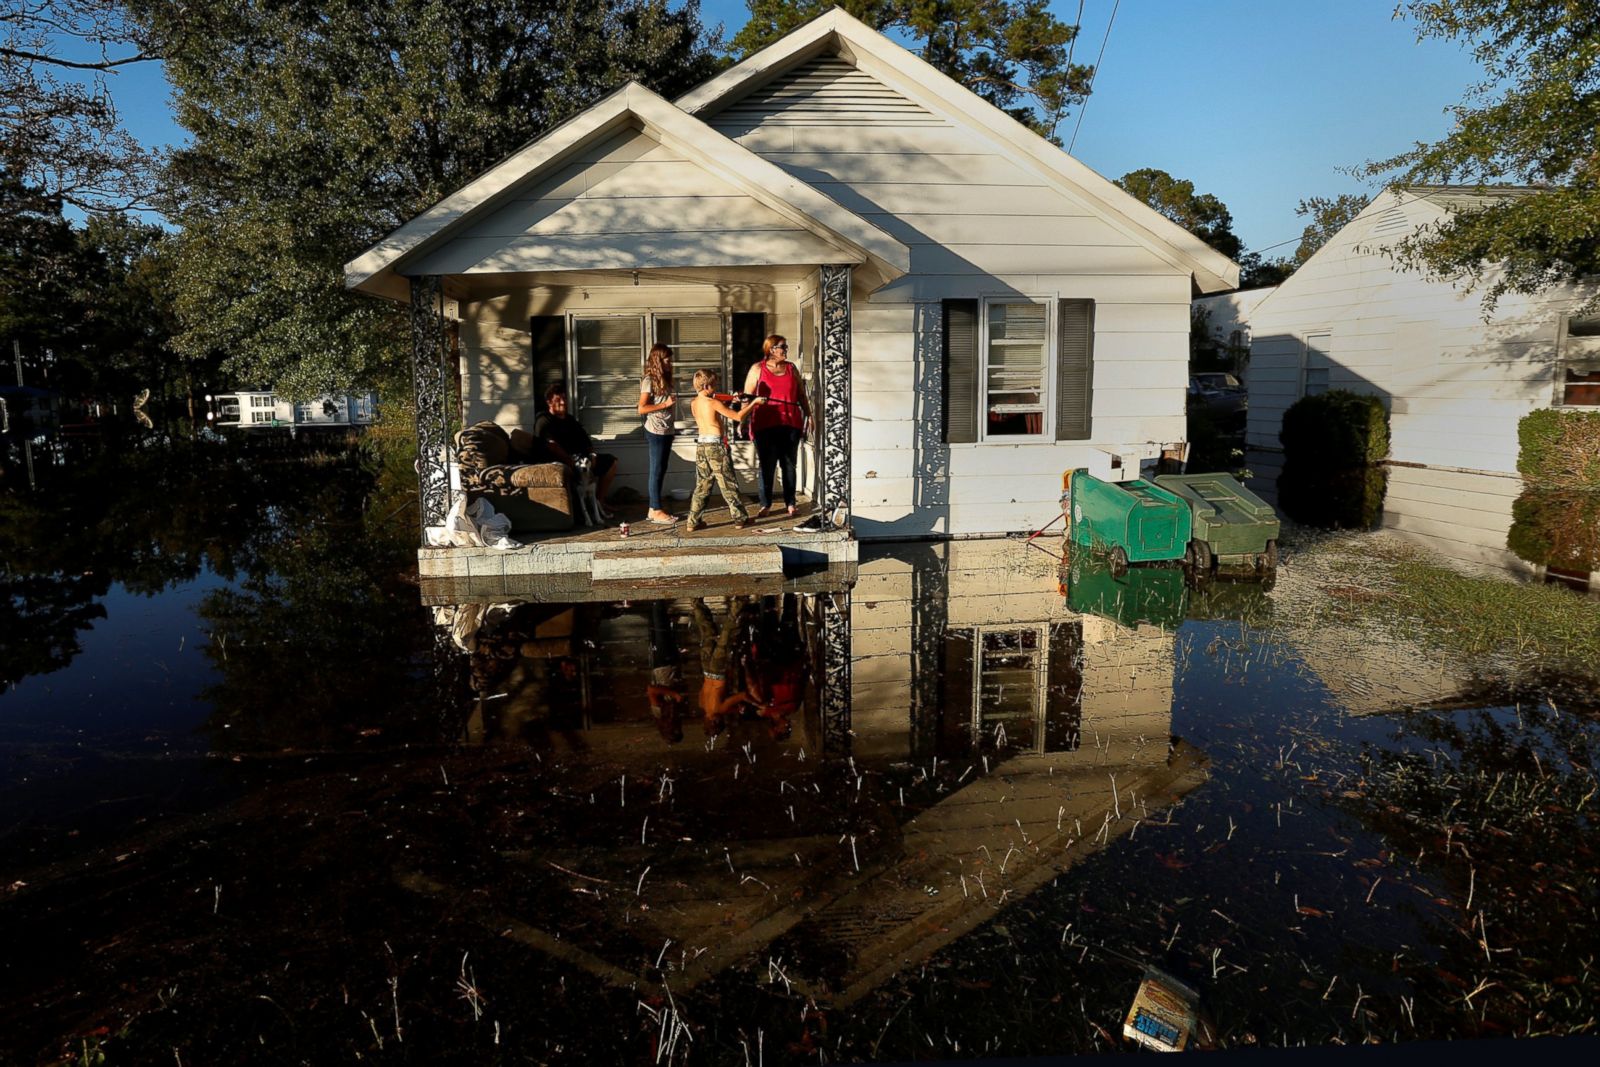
1227,317
1455,385
263,410
975,310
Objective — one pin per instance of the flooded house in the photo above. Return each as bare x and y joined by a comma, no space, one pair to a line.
973,310
1455,383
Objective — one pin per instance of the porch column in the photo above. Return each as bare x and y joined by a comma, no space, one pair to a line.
429,345
833,503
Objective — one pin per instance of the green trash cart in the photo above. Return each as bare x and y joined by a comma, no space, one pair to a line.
1133,522
1231,524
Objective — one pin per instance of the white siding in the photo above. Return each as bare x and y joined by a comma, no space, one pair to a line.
979,223
1455,385
628,202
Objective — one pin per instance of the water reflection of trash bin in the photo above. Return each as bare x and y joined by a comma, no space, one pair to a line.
1154,595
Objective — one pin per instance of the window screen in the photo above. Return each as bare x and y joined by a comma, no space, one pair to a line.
1015,373
609,363
696,342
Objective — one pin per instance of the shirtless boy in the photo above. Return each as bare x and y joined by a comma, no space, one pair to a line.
711,462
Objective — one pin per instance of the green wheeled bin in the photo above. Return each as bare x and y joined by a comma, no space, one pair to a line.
1132,522
1231,524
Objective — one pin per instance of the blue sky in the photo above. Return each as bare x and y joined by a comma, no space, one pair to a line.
1257,101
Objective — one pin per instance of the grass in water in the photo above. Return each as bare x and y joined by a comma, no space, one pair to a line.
1523,623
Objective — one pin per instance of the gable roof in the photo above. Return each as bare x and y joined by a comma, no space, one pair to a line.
1470,197
872,52
378,269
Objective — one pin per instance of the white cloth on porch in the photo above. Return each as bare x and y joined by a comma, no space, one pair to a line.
474,525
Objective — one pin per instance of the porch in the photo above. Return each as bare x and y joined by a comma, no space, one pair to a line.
653,553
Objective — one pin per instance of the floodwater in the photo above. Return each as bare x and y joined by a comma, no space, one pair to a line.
265,799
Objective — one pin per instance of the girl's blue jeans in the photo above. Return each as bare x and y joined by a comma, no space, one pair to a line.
660,450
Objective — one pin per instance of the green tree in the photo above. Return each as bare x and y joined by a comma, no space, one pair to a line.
1013,53
39,271
316,128
1202,214
1328,215
1534,120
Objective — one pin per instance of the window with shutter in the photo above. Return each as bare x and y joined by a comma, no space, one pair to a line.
696,342
1074,369
960,371
549,334
608,363
1016,371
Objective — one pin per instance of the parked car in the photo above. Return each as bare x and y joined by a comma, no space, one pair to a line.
1219,394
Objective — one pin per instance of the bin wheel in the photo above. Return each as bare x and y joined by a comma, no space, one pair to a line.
1199,557
1267,562
1119,561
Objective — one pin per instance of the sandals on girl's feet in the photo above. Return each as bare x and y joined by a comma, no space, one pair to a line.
792,510
665,520
762,511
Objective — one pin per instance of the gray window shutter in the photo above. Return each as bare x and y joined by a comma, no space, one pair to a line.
1074,369
549,354
961,369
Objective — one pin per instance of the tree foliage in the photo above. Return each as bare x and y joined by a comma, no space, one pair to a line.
1328,215
87,307
316,128
1014,53
1534,120
59,131
1202,214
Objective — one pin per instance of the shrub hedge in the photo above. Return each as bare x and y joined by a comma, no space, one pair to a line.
1559,530
1335,430
1559,450
1348,499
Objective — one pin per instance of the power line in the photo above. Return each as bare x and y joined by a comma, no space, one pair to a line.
1098,60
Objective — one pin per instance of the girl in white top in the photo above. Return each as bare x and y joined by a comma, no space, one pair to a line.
656,401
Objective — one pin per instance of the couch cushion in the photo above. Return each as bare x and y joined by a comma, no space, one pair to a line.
481,446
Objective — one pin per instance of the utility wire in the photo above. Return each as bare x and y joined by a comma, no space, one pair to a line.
1111,22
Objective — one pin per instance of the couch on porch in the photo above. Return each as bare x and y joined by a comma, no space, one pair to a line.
512,474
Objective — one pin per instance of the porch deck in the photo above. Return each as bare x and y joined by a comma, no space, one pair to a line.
720,549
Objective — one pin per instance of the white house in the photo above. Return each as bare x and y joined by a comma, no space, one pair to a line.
1227,317
1455,384
975,310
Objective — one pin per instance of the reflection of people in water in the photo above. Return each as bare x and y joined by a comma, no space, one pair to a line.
665,690
776,674
717,647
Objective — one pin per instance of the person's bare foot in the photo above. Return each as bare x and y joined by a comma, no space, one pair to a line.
661,517
761,511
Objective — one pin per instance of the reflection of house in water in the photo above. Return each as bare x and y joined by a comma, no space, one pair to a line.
992,738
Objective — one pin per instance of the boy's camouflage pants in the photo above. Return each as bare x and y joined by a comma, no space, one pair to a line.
711,463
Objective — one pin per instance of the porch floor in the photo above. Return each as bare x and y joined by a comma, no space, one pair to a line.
720,549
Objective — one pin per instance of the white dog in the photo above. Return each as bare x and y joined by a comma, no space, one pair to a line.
588,492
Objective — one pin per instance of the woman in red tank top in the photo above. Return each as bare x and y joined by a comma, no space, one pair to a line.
778,425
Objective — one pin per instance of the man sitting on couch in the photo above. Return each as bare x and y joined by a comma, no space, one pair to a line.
566,438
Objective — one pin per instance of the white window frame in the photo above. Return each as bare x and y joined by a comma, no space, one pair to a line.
1047,422
1305,360
647,318
1571,348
